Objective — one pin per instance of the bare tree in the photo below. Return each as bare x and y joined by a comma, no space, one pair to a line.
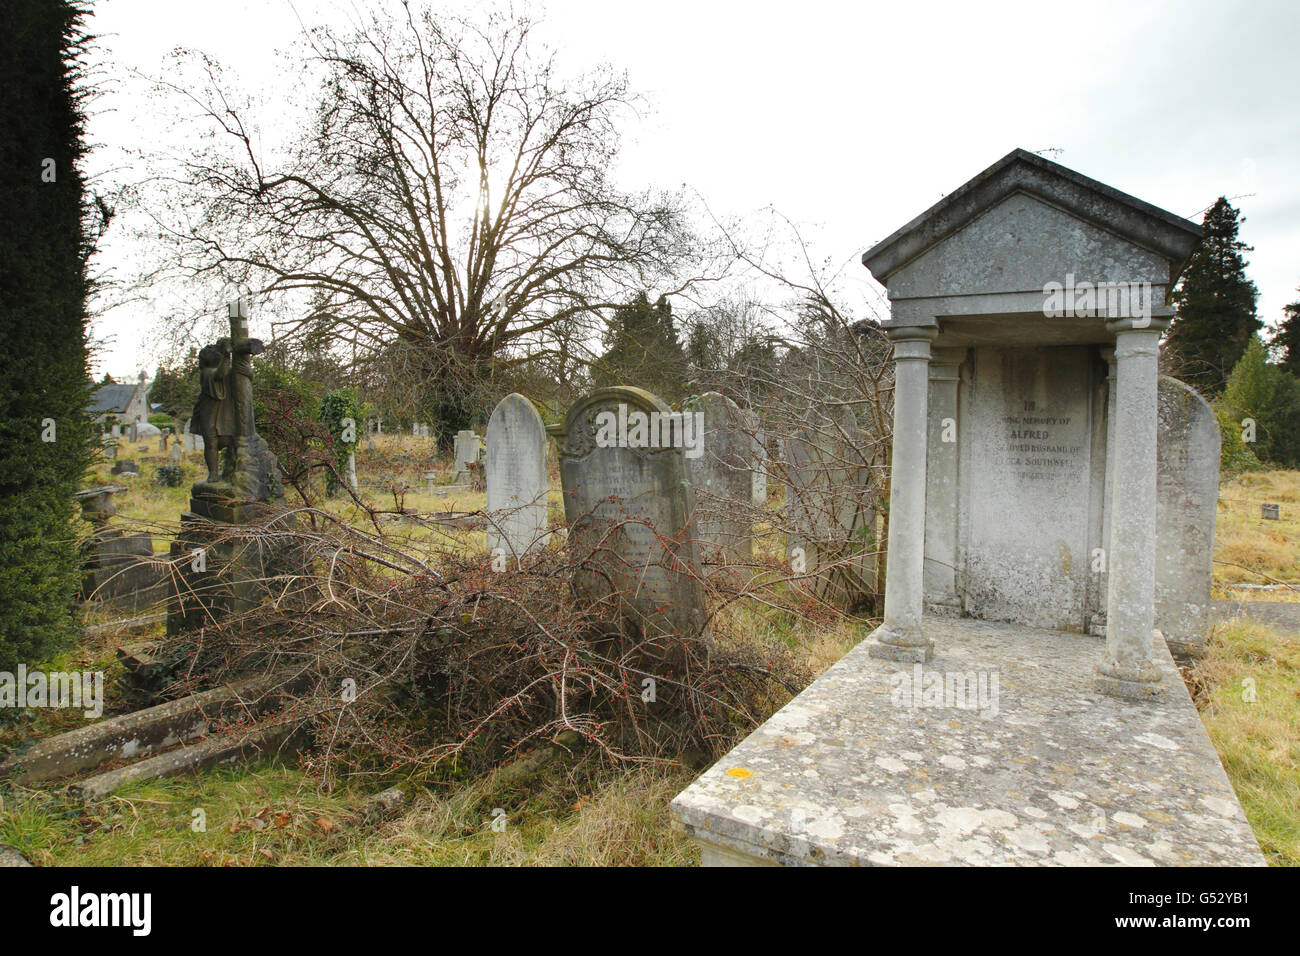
451,200
805,352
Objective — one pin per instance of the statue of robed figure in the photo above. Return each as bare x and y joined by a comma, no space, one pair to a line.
223,415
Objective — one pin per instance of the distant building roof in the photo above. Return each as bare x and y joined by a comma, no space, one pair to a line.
112,399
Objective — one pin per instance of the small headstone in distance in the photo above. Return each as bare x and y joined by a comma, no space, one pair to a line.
125,466
1270,511
429,478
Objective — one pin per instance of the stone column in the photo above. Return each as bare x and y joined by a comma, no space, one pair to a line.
899,637
1127,670
1108,483
941,484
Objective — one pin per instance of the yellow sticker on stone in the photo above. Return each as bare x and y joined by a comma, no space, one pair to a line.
740,773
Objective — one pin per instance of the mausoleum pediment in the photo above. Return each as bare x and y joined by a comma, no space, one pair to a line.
1022,244
1022,223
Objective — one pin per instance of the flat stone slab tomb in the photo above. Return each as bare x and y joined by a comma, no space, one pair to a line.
857,770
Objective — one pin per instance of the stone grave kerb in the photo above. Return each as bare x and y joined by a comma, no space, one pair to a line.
1031,254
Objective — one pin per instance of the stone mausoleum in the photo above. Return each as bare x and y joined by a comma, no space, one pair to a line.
1051,531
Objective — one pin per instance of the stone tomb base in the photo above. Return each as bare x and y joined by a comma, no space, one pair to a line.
864,767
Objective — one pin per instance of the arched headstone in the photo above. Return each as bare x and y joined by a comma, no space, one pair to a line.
516,478
1187,494
629,507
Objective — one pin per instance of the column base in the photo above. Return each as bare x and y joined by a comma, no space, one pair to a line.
1137,681
890,643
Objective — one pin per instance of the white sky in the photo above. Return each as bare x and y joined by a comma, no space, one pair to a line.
849,118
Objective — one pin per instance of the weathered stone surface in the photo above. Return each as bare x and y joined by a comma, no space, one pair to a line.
1047,772
141,731
120,570
1187,494
11,857
255,743
628,507
97,503
721,474
241,488
516,478
1026,522
465,449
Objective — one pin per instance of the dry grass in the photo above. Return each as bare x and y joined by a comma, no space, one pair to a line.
1249,549
1250,704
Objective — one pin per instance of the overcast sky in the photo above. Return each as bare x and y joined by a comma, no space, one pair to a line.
850,118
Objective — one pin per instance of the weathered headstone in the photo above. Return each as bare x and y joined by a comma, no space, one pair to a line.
1270,511
628,506
1187,495
126,467
516,478
118,567
465,449
720,469
175,452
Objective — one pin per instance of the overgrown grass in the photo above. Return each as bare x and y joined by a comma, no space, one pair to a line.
275,815
1249,549
1249,699
583,812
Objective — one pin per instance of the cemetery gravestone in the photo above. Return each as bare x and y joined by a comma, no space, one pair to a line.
516,478
1187,486
721,471
628,507
465,449
119,569
1270,511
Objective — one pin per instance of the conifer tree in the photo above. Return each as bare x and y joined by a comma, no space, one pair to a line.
44,378
1286,340
1215,304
